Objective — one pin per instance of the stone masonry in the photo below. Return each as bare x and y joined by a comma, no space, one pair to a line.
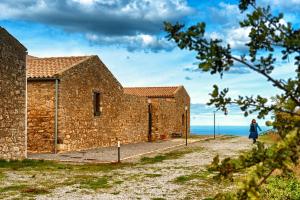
41,109
123,117
75,103
167,109
12,97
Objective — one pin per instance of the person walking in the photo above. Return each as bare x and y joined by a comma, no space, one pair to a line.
253,130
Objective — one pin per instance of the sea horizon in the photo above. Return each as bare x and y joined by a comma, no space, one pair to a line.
223,130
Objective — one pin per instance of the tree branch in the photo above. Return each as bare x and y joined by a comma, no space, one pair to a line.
269,78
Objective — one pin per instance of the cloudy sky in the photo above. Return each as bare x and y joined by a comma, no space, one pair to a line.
128,36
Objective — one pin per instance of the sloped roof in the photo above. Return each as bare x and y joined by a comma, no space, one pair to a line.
49,67
168,92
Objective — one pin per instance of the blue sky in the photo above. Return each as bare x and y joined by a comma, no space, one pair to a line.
128,36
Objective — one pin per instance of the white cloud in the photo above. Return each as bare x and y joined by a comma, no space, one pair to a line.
238,37
215,35
224,14
144,42
137,21
286,3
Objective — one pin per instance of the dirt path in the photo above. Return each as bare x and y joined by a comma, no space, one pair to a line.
176,175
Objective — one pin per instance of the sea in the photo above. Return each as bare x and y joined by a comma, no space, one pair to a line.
224,130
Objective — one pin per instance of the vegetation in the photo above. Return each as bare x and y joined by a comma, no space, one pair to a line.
168,156
29,178
52,165
186,178
94,182
268,36
280,188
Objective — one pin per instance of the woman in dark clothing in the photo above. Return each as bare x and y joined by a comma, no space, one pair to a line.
253,130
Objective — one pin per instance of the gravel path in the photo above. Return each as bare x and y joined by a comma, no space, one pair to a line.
110,154
156,180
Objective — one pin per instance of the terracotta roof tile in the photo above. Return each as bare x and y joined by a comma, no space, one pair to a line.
152,91
49,67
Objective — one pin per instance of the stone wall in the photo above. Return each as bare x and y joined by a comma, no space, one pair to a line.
133,119
169,116
123,117
163,117
182,99
12,97
78,127
41,113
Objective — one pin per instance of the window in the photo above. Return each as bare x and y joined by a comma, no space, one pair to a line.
97,103
182,119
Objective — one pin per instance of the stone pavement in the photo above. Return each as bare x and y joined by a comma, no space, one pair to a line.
110,154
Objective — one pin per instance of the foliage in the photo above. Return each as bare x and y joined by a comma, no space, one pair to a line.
285,122
267,33
268,36
280,188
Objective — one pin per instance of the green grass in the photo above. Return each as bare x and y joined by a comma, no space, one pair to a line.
169,156
42,165
158,198
2,175
61,174
151,160
24,189
185,178
280,188
95,183
118,182
39,164
10,188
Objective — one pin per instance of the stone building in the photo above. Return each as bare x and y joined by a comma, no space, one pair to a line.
75,103
12,97
169,110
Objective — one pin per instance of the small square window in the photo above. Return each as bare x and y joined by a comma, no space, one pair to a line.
97,103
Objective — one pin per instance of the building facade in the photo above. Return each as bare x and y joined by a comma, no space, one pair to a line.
80,105
75,103
169,110
12,97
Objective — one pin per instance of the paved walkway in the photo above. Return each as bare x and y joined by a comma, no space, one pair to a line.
110,154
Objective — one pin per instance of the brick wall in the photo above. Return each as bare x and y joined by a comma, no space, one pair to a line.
41,111
12,97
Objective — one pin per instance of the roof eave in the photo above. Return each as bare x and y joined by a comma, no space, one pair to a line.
42,78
